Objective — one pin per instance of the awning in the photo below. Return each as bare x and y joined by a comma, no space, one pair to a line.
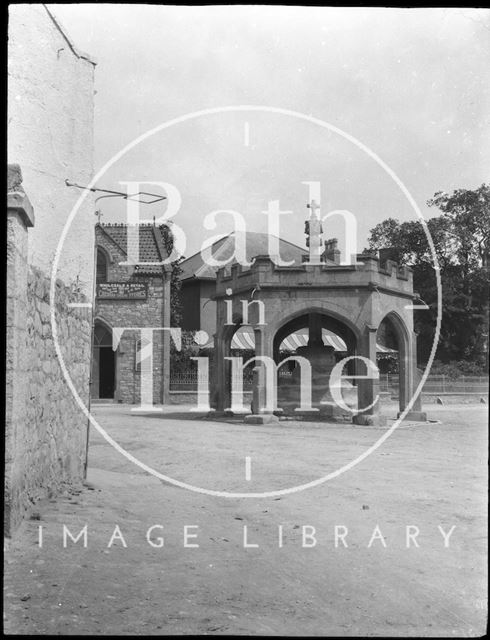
244,339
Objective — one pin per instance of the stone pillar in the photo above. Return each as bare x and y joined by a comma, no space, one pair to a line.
315,330
261,414
404,372
221,395
20,216
118,356
221,399
368,388
413,379
258,390
322,360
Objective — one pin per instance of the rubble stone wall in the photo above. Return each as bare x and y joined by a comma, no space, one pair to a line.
46,428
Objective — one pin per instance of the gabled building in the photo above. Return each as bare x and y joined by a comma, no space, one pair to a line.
129,296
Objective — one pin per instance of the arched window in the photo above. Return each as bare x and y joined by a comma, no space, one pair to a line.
102,336
101,275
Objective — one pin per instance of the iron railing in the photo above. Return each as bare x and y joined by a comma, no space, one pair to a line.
187,380
439,384
435,384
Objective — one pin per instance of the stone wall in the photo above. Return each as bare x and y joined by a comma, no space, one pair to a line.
135,313
50,134
46,430
53,443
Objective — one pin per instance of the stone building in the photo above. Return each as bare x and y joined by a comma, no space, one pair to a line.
133,297
50,139
353,301
198,293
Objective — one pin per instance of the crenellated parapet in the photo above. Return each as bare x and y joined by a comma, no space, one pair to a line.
366,272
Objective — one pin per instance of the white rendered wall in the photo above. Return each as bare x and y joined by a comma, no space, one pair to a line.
50,135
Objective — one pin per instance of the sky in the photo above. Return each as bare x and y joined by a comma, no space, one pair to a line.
408,85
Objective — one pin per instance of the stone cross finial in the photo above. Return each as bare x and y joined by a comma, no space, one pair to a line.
99,215
313,206
313,230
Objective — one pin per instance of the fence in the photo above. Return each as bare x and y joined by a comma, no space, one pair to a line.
435,384
187,380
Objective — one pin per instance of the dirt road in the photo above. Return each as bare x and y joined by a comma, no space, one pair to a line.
301,578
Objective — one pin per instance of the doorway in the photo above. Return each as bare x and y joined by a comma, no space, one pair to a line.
103,364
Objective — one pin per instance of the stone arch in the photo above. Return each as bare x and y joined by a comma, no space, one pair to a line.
269,337
322,358
405,352
104,361
331,320
100,320
335,317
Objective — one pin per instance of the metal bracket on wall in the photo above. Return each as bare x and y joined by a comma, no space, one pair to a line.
121,194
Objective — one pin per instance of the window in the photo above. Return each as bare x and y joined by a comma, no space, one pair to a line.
101,275
102,336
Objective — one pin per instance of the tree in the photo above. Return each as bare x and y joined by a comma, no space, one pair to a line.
175,297
469,212
460,236
179,359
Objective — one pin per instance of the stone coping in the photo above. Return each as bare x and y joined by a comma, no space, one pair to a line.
18,201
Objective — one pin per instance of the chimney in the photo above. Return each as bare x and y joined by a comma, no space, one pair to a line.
331,252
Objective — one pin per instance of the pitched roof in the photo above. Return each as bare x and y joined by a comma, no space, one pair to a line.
256,244
151,243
